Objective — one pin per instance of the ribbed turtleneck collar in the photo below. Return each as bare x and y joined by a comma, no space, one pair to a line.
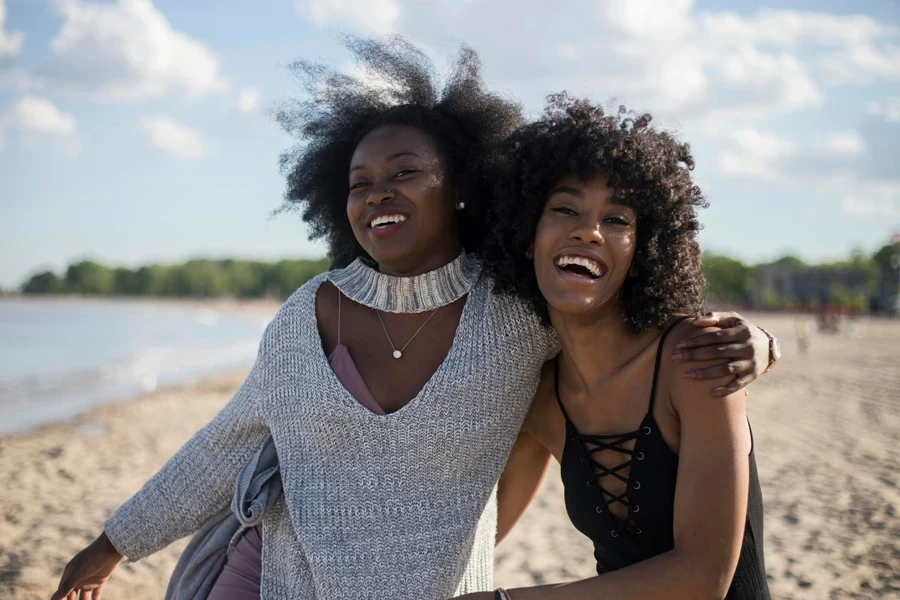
428,291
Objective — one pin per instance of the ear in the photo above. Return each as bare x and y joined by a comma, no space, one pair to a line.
529,252
632,270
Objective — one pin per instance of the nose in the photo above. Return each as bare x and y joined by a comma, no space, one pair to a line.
379,195
587,232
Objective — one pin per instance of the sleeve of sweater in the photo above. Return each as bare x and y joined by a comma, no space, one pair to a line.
198,481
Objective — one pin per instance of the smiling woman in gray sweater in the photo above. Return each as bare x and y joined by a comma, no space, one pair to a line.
393,386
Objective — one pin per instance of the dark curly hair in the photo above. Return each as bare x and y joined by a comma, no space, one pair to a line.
396,85
651,172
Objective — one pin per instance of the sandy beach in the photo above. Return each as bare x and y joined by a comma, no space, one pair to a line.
825,424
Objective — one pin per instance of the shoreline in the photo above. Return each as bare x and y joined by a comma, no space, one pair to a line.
29,402
824,428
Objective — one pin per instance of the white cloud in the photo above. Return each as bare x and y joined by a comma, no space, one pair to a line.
126,51
847,143
377,16
249,101
888,110
172,137
867,206
10,42
753,153
35,117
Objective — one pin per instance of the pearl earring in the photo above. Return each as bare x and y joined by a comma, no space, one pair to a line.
460,205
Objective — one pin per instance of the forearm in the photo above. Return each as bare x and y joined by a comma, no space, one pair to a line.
196,483
672,575
521,479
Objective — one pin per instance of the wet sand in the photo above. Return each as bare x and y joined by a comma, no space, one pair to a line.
825,424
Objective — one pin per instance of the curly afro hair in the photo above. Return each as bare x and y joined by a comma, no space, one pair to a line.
651,172
396,85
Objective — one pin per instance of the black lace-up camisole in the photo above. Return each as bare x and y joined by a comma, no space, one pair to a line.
649,473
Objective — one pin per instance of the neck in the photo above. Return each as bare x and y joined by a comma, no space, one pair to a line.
425,264
594,345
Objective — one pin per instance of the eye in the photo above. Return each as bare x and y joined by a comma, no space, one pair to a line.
622,221
563,210
404,172
358,184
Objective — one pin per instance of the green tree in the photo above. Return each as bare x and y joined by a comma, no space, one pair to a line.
197,278
151,280
125,282
772,300
790,261
43,283
839,295
89,277
245,278
727,279
288,275
882,257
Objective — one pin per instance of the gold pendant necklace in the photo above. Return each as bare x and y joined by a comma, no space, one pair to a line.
399,353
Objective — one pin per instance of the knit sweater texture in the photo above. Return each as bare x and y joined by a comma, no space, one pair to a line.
399,506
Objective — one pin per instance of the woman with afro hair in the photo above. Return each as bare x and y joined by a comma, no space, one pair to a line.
594,223
393,387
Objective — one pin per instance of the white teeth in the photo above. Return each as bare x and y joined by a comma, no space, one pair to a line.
386,220
591,265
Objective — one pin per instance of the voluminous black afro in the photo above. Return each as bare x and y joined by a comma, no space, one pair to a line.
395,84
651,172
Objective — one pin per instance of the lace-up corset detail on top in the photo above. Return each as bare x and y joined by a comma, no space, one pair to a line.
624,501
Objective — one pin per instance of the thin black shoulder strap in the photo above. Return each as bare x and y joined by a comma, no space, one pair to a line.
556,388
659,348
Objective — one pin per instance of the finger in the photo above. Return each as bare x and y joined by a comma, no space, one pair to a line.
87,594
97,593
726,351
736,368
712,338
736,385
720,319
65,585
73,595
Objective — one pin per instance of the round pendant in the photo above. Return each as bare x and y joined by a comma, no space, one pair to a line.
397,354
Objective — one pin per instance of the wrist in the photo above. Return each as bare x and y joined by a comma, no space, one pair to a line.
105,545
774,350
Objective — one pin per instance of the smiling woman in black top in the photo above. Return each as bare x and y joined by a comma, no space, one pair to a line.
595,222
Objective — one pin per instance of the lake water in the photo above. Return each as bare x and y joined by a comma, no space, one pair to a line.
60,358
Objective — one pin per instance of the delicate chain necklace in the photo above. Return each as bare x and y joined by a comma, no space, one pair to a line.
399,353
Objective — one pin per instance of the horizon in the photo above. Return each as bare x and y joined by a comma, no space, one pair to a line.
792,109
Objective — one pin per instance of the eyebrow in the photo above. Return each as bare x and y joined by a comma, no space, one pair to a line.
567,189
394,156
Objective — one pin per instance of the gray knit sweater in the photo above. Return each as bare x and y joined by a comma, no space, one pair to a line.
401,506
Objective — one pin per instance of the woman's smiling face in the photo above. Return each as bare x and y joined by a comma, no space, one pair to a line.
584,246
400,203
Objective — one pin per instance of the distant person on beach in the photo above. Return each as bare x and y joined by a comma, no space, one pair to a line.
393,386
595,225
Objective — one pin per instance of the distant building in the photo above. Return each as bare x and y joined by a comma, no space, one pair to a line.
887,294
792,283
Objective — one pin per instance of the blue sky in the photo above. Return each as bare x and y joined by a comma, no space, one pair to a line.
134,131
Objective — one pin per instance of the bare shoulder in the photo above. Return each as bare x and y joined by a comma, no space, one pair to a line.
687,395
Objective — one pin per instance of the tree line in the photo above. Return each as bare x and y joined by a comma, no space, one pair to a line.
199,278
728,279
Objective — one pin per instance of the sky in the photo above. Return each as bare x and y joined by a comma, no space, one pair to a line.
139,131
